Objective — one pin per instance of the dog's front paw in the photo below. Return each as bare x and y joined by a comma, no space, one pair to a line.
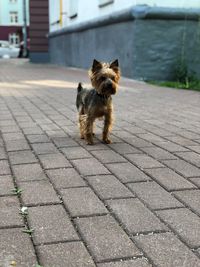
107,141
90,143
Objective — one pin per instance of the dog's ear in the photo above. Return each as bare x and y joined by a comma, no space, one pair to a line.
96,65
114,64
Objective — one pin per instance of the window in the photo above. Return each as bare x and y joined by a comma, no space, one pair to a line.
13,17
73,8
13,38
105,2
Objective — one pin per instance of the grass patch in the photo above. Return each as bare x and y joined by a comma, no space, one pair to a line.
193,85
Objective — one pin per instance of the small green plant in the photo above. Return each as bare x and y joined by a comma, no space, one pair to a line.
17,191
28,231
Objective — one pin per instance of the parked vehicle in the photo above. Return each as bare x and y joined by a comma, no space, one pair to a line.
7,50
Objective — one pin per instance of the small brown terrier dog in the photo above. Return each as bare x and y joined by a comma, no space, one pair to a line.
97,102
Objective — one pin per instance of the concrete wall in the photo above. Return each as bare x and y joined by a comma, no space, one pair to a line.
146,40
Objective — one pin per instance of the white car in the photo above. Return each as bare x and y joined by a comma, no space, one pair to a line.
7,50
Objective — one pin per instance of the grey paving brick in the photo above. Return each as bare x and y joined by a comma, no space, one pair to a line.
154,195
10,129
158,153
123,148
185,223
64,178
183,167
137,142
195,148
82,201
16,246
166,250
169,179
38,192
44,148
150,137
181,141
9,212
191,157
65,255
33,130
105,238
143,161
7,185
108,156
127,172
64,142
196,181
90,166
171,147
4,167
135,216
50,224
22,157
76,153
128,263
2,153
107,186
37,138
13,136
51,161
17,145
191,198
28,172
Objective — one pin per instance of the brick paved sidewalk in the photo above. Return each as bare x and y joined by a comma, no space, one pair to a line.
134,203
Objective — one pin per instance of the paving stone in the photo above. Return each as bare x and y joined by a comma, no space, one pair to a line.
105,238
13,136
154,195
169,179
38,192
108,156
44,148
17,145
171,147
181,141
150,137
135,216
37,138
64,142
191,198
51,161
2,153
127,172
82,201
22,157
28,172
51,224
7,185
137,142
185,223
65,255
33,130
9,212
128,263
76,153
196,181
123,148
16,246
195,148
10,129
64,178
191,157
158,153
167,251
90,166
143,161
107,186
4,167
183,167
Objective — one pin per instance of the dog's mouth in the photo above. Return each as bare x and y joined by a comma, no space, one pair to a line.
109,90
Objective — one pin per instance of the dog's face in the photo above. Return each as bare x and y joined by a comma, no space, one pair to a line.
105,77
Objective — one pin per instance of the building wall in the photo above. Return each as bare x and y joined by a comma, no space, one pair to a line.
148,41
62,11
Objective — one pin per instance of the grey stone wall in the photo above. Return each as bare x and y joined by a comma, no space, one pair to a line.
147,41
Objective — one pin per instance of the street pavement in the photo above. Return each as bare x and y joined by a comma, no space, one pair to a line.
133,203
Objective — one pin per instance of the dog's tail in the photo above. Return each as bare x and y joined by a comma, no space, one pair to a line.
80,87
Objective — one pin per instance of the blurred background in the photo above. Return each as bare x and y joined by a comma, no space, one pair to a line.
151,38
